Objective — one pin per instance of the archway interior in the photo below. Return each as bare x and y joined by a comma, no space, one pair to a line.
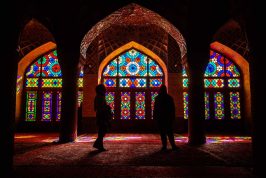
132,80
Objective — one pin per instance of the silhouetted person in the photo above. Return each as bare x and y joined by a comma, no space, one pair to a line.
164,114
103,116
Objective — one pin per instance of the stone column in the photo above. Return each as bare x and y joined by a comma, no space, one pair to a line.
256,36
69,65
8,90
198,37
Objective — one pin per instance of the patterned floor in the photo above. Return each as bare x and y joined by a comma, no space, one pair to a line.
131,155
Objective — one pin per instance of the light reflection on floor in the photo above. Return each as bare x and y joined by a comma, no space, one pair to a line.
137,138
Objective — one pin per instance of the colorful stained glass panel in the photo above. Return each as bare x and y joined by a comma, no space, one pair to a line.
154,69
110,100
80,97
47,106
109,82
35,69
125,105
32,82
80,82
81,73
234,83
132,82
231,70
31,102
219,105
185,99
184,72
153,95
52,83
50,65
213,83
111,69
140,105
58,105
156,82
235,105
132,63
207,105
185,83
215,67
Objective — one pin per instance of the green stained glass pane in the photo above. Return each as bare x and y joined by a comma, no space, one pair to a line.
185,100
31,102
185,82
234,83
213,83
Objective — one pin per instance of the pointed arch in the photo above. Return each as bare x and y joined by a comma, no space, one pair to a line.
130,15
22,66
139,47
243,65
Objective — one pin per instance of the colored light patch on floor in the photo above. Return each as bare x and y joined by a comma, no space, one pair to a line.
129,138
235,139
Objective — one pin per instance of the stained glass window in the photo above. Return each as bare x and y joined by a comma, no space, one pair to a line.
185,93
221,73
140,105
44,75
125,105
47,106
219,66
131,67
132,73
31,102
222,83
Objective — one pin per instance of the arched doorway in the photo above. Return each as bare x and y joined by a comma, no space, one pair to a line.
131,24
132,80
